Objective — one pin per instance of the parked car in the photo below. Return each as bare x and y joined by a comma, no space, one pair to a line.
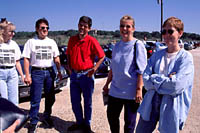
104,68
153,46
24,90
108,50
188,46
181,44
150,47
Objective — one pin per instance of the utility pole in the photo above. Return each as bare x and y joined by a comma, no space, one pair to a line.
161,4
161,19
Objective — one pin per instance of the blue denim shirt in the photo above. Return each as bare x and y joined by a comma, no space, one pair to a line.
176,91
124,70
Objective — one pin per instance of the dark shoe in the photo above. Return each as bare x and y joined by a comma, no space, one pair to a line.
48,122
32,128
75,127
87,129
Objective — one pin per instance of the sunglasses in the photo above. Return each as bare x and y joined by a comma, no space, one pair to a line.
13,31
127,26
170,31
84,25
44,28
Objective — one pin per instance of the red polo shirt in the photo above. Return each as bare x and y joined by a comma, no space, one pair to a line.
82,52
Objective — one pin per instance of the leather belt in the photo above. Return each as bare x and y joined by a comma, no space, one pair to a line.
41,68
80,71
6,67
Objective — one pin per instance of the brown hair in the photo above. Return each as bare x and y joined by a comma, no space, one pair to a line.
174,22
127,17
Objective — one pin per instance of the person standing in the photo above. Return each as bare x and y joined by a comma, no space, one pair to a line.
129,60
40,53
10,55
81,51
168,79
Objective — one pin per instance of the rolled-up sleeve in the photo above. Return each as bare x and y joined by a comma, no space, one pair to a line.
141,57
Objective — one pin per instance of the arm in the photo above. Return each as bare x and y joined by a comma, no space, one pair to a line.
178,80
139,88
109,79
69,69
19,68
147,74
57,62
27,79
94,69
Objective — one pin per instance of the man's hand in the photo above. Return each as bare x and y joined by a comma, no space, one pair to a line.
59,75
28,80
91,72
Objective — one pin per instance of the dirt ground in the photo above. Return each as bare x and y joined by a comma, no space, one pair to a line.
63,116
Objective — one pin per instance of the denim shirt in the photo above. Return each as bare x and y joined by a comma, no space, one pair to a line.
176,91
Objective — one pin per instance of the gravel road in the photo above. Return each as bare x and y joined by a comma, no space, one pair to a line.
63,116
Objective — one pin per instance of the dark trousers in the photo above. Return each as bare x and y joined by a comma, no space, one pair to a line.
80,84
41,79
114,109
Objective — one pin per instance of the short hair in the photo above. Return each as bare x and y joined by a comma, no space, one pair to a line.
127,17
39,21
87,20
174,22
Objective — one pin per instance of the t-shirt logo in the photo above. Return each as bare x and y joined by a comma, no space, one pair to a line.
43,52
7,56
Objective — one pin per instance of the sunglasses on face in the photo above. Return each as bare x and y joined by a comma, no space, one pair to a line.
44,28
170,31
127,26
12,31
83,25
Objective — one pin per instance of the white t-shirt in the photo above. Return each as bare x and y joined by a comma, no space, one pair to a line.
41,52
166,61
9,53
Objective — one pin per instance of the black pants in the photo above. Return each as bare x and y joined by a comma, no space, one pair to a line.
114,109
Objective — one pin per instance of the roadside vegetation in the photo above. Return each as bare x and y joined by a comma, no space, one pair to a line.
104,37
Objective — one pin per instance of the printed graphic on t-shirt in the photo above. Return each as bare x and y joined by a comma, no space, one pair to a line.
7,56
43,52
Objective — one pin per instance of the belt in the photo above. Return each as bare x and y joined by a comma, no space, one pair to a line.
41,68
80,71
6,67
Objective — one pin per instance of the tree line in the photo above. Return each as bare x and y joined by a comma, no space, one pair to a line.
59,35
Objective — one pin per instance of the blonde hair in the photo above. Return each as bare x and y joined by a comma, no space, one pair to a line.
127,17
3,26
174,22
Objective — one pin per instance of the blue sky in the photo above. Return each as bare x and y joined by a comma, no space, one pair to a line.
64,14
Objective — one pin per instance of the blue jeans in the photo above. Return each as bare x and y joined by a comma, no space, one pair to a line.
41,79
9,85
81,84
114,109
149,126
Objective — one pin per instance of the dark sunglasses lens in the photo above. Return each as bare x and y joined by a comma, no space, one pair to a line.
127,26
122,26
45,28
164,32
170,32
